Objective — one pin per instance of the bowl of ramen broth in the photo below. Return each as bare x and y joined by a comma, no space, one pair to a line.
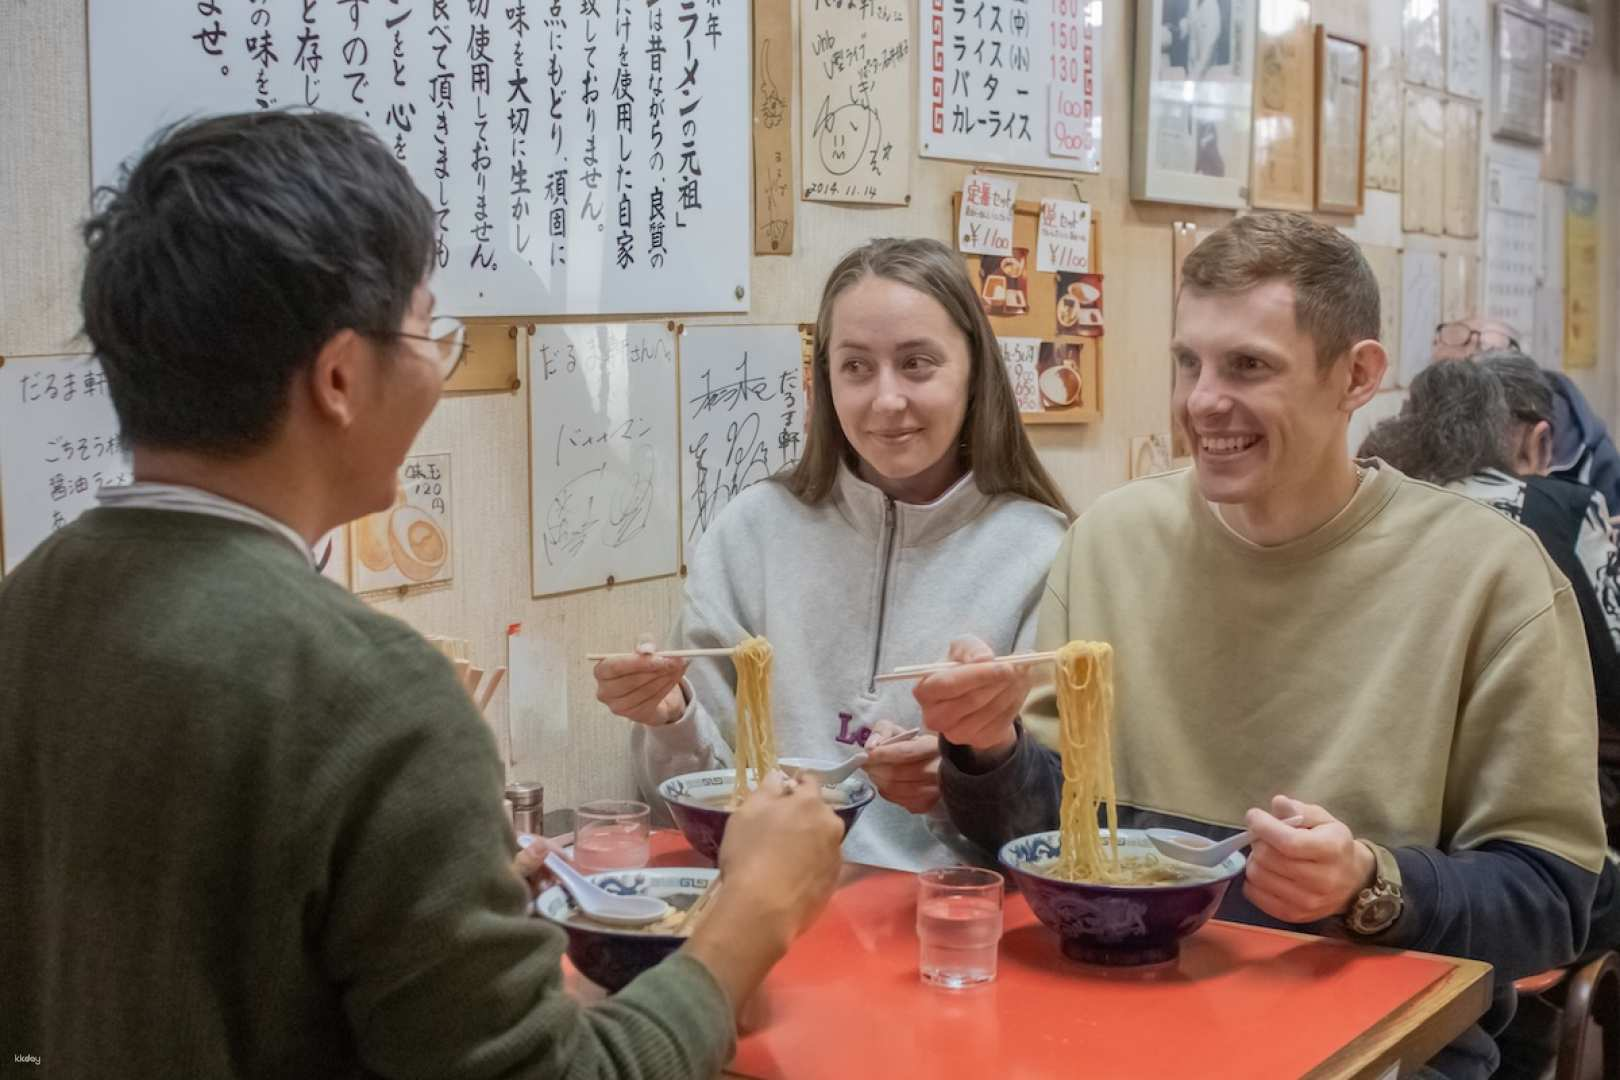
701,804
1122,925
611,956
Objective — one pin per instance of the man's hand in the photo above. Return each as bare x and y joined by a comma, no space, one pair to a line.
905,773
1308,873
975,705
779,863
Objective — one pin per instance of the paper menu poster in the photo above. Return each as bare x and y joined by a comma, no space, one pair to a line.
985,222
1064,237
587,159
412,542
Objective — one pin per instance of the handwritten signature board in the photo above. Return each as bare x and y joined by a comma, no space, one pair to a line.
604,497
742,415
59,442
583,162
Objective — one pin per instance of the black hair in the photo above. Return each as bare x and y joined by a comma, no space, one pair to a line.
231,252
1529,392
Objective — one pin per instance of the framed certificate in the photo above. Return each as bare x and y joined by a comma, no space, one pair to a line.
1519,77
1341,122
1283,176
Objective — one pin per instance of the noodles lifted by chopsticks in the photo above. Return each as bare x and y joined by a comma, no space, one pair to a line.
756,735
1085,700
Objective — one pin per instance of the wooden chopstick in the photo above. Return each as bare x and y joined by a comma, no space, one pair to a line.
917,671
490,685
701,907
660,652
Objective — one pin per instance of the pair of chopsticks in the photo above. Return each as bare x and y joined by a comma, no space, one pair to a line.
679,653
471,677
918,671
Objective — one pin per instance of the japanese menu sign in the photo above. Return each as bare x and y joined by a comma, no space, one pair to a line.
1011,81
984,225
581,156
59,443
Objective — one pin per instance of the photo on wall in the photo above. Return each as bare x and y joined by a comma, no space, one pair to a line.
1194,101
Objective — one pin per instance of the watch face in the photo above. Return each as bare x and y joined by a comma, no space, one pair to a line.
1375,914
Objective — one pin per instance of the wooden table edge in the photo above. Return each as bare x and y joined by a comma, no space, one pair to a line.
1419,1029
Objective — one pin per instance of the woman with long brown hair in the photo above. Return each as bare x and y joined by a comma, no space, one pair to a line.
918,513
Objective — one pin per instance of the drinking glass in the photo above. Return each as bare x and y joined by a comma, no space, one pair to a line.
611,834
958,925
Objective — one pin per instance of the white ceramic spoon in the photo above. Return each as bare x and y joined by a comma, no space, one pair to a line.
832,772
815,770
1187,848
602,905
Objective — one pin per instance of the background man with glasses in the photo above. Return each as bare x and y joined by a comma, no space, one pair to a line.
1582,451
254,827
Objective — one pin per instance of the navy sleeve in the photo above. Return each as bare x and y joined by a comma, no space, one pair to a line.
1020,796
1519,909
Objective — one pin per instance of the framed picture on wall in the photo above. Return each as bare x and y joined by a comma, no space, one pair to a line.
1341,122
1519,77
1194,101
1284,109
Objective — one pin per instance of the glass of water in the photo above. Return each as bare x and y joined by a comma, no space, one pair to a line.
958,925
611,834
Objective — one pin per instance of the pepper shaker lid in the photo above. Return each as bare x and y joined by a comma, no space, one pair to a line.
525,793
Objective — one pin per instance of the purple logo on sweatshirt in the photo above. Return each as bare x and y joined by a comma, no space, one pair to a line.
857,737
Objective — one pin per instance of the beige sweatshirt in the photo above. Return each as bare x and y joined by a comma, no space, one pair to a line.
1417,666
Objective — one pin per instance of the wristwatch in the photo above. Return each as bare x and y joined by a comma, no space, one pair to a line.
1376,907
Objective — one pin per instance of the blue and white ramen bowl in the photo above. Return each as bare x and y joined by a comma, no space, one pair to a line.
1118,925
611,956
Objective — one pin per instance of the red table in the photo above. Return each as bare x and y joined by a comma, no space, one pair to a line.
1242,1002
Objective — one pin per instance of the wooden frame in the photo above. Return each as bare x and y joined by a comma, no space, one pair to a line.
1282,174
1079,349
1324,199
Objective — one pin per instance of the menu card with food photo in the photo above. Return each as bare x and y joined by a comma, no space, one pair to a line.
1005,288
1049,324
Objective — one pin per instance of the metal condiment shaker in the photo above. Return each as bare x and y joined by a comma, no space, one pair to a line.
528,802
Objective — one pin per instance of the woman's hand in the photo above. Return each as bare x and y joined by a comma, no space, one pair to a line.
643,687
905,773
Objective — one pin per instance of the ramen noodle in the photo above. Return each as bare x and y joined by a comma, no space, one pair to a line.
1085,699
756,735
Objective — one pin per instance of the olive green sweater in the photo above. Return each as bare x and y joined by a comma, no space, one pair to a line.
253,828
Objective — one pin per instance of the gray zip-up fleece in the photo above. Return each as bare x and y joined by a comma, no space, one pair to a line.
844,590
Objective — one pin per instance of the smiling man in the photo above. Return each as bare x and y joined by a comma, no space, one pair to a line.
1297,633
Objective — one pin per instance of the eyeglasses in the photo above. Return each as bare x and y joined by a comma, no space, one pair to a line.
448,336
1459,335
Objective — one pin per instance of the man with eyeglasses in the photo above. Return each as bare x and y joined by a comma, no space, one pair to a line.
252,826
1582,451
